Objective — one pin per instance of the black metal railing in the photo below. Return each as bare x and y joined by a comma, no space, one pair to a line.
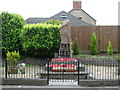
42,68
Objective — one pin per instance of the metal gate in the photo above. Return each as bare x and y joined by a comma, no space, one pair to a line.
63,72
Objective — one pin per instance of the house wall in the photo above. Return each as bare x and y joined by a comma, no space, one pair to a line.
85,17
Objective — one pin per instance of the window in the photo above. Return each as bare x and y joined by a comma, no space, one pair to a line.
63,16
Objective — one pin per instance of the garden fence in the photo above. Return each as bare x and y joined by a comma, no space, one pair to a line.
32,69
104,34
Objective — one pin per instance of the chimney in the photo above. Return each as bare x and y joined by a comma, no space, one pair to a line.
77,4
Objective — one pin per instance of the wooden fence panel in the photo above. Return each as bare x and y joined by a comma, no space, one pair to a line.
108,33
83,35
104,35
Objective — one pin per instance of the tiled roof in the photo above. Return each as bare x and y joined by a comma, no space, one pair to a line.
36,20
72,19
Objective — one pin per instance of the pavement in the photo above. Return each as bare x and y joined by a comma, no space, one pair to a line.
56,87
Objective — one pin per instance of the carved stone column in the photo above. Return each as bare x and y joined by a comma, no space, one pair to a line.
65,47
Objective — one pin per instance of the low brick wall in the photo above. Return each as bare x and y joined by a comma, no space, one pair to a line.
99,82
18,81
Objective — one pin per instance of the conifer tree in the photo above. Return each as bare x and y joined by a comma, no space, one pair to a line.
93,45
109,49
76,48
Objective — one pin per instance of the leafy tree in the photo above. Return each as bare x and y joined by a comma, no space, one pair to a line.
40,40
11,29
109,49
76,48
93,44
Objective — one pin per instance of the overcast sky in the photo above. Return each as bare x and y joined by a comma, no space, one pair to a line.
104,11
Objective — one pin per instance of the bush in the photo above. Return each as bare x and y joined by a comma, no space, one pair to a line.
76,48
93,44
41,40
118,57
53,22
109,49
13,57
11,29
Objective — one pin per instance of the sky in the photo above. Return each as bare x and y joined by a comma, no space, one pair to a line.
104,11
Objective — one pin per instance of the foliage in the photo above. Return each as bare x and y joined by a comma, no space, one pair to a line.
11,28
109,49
56,35
53,22
97,56
86,55
40,39
13,57
93,44
76,48
118,58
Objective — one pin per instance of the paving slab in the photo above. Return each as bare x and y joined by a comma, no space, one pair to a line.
54,86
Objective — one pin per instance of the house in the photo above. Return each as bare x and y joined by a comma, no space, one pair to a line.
78,12
76,17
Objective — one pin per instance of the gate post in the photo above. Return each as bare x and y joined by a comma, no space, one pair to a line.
48,71
78,72
6,68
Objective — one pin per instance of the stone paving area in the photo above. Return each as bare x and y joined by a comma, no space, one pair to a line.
63,82
62,86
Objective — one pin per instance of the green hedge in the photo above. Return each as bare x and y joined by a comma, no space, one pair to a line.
11,29
53,22
32,40
41,40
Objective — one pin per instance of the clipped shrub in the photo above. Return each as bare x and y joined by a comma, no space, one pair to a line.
76,48
109,49
93,44
53,22
11,29
41,40
13,57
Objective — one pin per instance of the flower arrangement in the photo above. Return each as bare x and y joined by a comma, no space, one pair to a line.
63,67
